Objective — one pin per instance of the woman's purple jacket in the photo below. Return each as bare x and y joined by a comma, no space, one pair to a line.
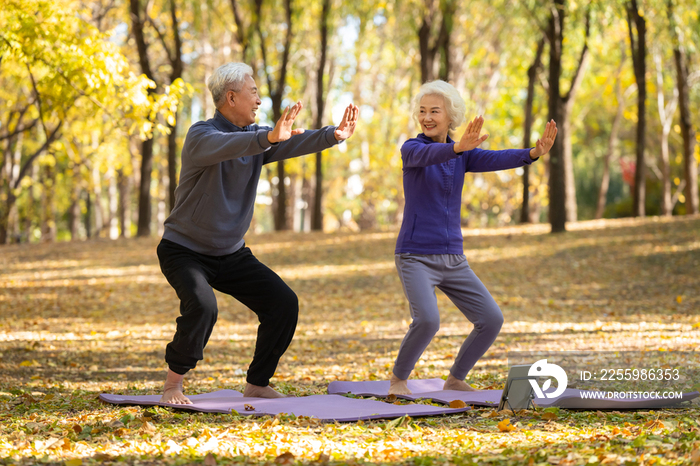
433,177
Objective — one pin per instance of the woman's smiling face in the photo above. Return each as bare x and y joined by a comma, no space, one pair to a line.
433,117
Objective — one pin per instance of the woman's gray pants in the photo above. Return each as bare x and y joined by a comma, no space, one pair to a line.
420,274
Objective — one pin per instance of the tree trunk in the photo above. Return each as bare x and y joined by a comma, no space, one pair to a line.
31,204
612,147
15,183
666,112
74,210
317,220
97,190
637,34
527,127
48,214
437,48
276,93
144,221
172,165
123,210
690,165
569,99
113,204
10,171
176,63
557,174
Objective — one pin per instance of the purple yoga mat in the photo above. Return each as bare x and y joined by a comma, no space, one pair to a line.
324,407
431,389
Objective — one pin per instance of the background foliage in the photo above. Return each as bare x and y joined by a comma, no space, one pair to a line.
79,96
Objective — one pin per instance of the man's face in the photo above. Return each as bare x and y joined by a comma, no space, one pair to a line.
244,103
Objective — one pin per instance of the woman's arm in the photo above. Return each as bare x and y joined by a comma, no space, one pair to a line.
417,153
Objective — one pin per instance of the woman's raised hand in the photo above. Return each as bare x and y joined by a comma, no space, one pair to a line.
471,137
546,142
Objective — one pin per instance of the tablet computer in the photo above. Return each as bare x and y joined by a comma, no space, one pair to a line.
517,394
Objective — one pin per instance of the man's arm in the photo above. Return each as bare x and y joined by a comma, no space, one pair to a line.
296,142
308,142
207,146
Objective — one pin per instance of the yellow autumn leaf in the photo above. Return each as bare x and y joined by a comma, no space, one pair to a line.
73,462
679,299
506,426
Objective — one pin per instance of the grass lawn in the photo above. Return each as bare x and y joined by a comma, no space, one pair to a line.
78,319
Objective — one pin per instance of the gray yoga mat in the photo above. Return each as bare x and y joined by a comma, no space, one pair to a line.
431,389
324,407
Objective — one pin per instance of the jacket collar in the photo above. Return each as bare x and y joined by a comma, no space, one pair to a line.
223,124
426,139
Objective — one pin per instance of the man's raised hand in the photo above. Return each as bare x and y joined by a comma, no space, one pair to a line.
471,139
347,126
546,142
283,129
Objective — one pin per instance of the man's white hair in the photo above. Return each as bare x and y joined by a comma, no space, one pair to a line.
455,106
228,77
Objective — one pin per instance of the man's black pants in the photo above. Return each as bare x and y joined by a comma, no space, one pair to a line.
194,277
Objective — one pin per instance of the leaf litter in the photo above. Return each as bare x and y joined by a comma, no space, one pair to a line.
79,319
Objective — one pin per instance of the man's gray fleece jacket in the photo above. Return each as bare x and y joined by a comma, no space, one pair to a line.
221,165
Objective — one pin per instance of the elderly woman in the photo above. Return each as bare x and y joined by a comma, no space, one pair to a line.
429,250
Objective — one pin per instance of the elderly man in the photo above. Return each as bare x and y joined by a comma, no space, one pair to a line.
202,248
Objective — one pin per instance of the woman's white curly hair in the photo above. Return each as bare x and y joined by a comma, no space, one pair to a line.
455,106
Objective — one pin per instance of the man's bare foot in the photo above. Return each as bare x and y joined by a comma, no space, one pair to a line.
453,383
256,391
398,386
172,392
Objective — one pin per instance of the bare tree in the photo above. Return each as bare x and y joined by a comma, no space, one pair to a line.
527,127
137,29
690,165
559,111
666,111
276,95
613,139
317,220
434,39
637,33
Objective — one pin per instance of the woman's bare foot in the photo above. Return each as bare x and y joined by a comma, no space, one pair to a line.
453,383
172,392
256,391
398,386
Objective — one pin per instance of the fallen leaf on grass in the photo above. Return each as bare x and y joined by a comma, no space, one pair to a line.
506,426
285,458
695,457
147,427
550,416
457,404
209,460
